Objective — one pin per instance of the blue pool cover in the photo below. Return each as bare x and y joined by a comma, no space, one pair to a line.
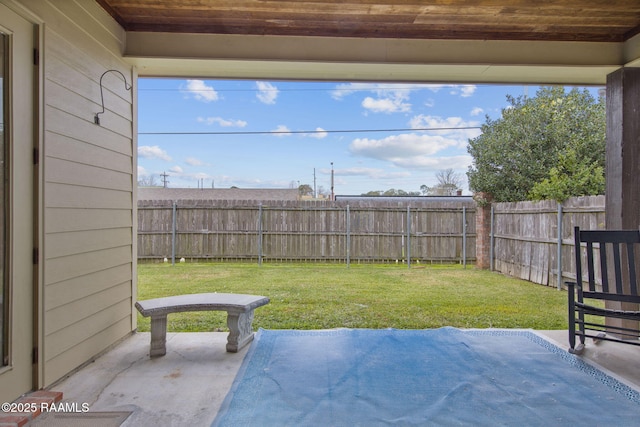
447,376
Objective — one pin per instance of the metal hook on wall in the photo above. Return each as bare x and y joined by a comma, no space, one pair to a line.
127,86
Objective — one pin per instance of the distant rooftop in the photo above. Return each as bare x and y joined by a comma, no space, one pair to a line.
424,199
159,193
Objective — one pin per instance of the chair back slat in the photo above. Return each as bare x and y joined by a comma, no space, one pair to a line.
631,259
611,244
617,268
578,253
604,271
591,268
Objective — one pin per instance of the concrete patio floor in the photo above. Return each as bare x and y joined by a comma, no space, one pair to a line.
188,385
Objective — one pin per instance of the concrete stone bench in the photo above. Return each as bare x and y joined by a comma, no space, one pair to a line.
239,308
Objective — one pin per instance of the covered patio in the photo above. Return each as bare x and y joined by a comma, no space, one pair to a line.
189,384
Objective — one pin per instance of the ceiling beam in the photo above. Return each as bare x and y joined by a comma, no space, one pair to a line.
323,58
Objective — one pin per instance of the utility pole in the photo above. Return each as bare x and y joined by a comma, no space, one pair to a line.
315,193
164,179
333,196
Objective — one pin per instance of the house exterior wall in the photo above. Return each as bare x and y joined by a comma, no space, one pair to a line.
87,186
17,144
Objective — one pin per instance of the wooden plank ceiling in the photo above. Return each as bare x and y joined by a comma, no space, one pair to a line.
547,20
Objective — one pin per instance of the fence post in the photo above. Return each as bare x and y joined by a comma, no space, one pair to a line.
464,236
483,233
491,241
260,234
348,224
173,234
559,246
408,237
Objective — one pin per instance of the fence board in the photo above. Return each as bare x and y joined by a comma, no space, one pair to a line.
299,231
526,236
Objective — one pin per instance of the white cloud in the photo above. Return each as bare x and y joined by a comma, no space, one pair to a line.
222,122
467,90
345,89
281,130
267,93
435,87
389,97
201,91
373,173
428,150
396,147
319,134
461,162
382,89
464,91
454,127
477,111
199,176
142,171
192,161
394,97
153,152
386,105
177,172
412,151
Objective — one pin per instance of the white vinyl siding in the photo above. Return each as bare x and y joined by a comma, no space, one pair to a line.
87,186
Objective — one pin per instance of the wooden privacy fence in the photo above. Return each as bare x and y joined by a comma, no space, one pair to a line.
534,240
434,232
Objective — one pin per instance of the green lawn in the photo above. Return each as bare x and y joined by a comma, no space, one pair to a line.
319,296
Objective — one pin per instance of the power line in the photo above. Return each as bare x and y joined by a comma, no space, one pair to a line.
287,132
401,87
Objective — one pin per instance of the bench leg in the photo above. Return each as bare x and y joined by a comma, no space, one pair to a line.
240,332
158,336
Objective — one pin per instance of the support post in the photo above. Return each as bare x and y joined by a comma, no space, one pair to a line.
622,164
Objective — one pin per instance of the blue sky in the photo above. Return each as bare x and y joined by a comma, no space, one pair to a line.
259,134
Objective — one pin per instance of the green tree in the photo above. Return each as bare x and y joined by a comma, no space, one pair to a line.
571,177
550,146
394,192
